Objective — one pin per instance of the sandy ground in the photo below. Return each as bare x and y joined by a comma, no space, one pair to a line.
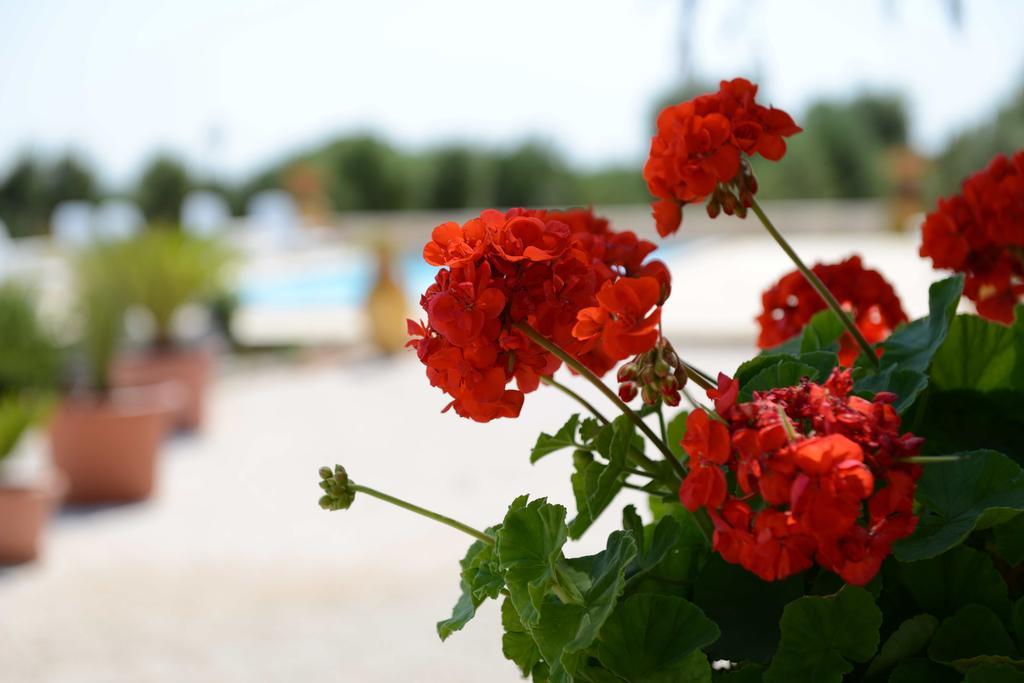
232,572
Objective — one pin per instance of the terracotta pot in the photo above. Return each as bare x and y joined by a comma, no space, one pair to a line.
24,510
188,368
108,447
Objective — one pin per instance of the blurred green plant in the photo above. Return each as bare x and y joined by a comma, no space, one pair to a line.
17,414
29,365
162,269
29,359
101,303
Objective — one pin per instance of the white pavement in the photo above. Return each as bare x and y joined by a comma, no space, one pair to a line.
232,572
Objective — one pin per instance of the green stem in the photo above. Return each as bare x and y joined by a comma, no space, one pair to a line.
707,529
585,372
550,381
628,485
661,423
932,459
429,514
697,377
819,286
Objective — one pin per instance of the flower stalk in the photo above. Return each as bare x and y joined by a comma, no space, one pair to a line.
585,372
866,349
340,491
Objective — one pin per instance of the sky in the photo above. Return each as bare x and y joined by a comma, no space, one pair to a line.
231,86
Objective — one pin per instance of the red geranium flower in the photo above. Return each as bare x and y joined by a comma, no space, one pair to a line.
980,233
826,469
541,268
699,145
622,319
792,302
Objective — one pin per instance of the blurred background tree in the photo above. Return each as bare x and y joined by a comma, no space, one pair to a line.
162,188
847,151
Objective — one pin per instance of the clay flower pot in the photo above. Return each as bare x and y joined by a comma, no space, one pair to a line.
108,447
24,511
187,368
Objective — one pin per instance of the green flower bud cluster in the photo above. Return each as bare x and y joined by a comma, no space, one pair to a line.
338,494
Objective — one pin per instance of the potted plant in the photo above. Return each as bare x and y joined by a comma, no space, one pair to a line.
162,270
28,367
106,439
848,505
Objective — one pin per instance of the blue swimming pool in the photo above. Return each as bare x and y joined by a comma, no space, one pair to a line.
348,284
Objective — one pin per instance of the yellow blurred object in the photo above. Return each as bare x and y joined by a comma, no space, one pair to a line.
906,169
386,308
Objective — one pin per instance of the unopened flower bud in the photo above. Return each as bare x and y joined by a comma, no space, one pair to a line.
338,492
649,394
662,368
647,375
626,373
714,208
671,398
627,391
729,204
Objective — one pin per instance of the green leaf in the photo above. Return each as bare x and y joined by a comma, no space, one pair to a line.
529,545
607,573
1009,540
556,627
744,673
1018,618
480,579
563,631
922,670
963,420
955,495
648,636
462,613
973,631
912,346
675,431
994,673
589,428
563,438
909,350
821,636
822,333
977,354
910,638
746,608
906,384
782,374
942,585
656,542
594,484
517,643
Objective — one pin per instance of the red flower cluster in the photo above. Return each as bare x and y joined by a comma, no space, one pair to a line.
790,304
980,232
700,143
542,268
819,475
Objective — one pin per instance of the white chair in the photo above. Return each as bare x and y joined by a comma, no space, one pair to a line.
71,224
117,219
204,213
